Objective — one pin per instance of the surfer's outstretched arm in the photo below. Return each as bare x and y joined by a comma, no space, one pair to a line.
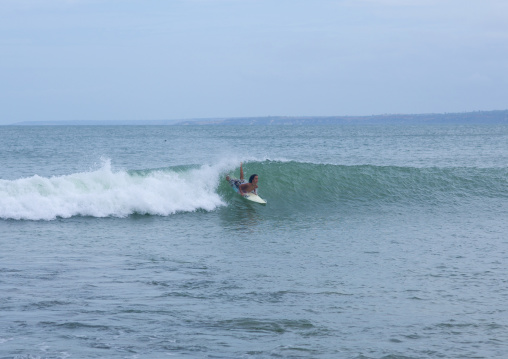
241,171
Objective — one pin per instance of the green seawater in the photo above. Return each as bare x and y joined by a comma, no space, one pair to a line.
376,242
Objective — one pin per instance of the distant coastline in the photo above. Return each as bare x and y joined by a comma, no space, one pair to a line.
476,117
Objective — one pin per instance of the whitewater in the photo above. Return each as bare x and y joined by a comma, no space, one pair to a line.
105,192
377,242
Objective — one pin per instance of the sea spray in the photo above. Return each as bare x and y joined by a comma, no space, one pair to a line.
105,192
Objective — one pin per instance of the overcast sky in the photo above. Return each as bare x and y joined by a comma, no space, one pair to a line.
183,59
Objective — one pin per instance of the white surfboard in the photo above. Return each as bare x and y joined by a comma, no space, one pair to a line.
254,198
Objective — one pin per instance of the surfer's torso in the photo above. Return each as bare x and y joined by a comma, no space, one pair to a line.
243,185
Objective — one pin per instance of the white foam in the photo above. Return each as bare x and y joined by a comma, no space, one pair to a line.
105,192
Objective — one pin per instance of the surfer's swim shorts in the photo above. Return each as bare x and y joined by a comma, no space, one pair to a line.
235,182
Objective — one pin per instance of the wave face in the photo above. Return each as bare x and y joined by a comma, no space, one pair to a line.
288,186
296,184
105,193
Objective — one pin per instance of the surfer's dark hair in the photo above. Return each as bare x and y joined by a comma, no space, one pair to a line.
251,178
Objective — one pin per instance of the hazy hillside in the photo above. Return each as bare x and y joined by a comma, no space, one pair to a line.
478,117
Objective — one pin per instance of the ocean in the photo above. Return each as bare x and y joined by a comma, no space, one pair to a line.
377,242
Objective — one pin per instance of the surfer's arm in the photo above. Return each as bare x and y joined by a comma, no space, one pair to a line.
241,171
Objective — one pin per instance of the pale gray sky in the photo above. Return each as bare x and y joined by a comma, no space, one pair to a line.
181,59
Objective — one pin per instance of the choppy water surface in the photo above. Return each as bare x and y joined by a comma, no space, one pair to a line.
376,242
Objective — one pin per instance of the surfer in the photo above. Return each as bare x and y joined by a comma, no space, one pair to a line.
242,185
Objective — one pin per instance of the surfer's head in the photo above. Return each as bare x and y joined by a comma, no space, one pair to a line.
251,178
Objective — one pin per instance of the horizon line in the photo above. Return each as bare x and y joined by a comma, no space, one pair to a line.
223,120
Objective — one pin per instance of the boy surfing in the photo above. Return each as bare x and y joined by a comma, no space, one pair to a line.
242,185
